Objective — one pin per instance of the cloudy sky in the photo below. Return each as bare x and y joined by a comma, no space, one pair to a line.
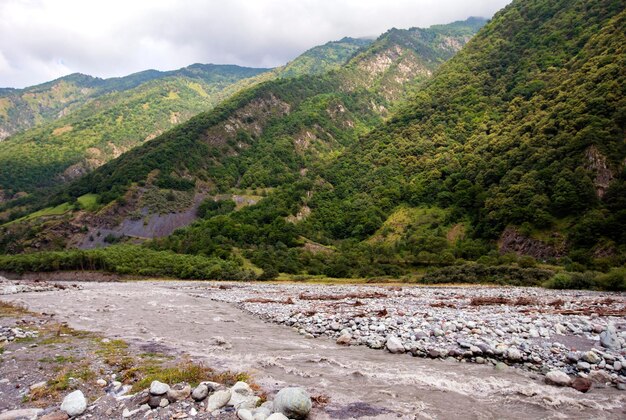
44,39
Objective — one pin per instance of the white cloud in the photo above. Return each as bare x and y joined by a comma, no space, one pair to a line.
44,39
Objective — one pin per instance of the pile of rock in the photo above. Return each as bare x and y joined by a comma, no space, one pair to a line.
12,287
182,401
15,333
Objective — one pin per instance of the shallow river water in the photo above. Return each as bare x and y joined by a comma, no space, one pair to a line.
361,383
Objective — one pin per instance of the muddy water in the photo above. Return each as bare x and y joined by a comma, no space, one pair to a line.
362,383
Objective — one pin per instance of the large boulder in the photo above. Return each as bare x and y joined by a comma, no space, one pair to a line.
74,403
295,403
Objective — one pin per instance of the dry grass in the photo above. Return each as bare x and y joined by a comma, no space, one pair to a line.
364,295
288,301
8,309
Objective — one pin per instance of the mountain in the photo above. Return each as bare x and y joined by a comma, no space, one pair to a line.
272,136
515,146
104,118
323,58
21,109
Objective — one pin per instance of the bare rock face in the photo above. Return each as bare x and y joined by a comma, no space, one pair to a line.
513,241
596,163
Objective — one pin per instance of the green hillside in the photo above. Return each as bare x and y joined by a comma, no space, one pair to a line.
323,58
120,113
271,138
21,109
520,137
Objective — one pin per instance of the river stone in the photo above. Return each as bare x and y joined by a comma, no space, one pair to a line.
609,338
154,401
178,392
344,339
581,384
158,388
74,404
55,415
277,416
200,392
557,377
394,345
242,396
218,400
23,413
245,414
293,402
591,357
514,354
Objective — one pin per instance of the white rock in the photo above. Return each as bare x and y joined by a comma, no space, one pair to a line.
394,345
277,416
245,414
158,388
74,404
101,382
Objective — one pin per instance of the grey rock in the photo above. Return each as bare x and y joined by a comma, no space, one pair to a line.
583,365
200,392
74,404
293,402
609,338
559,378
218,400
158,388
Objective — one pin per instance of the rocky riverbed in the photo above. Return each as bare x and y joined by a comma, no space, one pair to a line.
582,334
482,352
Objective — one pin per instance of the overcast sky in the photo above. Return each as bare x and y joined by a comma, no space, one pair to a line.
44,39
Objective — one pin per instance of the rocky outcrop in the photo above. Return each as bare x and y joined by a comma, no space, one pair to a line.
596,162
513,241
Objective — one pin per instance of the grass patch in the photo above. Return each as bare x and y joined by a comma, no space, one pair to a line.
88,202
48,211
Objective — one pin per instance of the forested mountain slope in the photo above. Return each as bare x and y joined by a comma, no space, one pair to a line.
21,109
519,139
120,113
273,136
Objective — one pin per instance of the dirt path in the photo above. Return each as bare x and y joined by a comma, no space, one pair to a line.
361,383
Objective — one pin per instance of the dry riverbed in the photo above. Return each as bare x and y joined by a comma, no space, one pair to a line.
368,351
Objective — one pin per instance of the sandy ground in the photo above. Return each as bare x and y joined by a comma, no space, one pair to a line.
361,383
